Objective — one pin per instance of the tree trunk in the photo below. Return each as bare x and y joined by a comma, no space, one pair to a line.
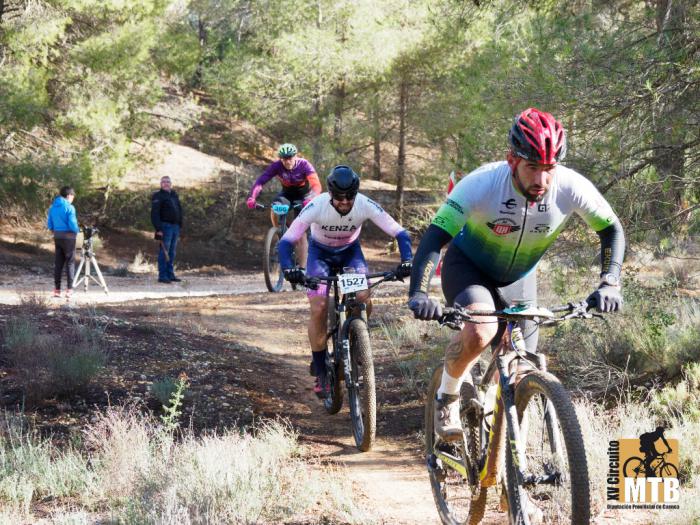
669,135
376,143
401,160
338,110
202,36
317,134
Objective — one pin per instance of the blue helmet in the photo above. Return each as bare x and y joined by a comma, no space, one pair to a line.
343,181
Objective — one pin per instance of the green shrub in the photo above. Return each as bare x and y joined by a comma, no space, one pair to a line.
48,365
163,389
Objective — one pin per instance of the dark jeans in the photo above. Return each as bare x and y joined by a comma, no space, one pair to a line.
65,255
170,234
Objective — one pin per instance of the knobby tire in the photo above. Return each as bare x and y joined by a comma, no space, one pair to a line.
274,277
544,386
362,395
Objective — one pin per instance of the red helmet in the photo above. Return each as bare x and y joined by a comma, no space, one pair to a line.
537,136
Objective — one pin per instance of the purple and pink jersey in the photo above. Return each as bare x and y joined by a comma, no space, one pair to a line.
302,172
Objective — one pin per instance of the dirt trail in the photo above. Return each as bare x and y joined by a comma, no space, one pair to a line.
391,477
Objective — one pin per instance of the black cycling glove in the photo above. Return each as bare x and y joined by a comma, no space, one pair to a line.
424,308
606,298
403,270
295,275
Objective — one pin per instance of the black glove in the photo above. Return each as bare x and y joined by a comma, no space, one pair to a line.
423,307
606,298
158,236
295,275
403,270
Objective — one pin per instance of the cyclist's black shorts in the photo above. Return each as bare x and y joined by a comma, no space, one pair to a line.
464,284
296,194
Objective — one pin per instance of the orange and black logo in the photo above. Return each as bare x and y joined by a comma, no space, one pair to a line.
643,472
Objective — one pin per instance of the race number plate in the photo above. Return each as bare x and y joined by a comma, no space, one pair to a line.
352,282
280,209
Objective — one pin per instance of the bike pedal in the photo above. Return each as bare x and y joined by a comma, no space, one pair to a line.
435,465
475,407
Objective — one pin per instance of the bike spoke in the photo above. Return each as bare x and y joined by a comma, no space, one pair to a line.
546,476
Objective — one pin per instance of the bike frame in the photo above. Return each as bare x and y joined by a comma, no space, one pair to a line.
348,303
504,363
504,409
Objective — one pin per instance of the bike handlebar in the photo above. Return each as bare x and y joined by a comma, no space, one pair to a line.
296,205
312,282
454,316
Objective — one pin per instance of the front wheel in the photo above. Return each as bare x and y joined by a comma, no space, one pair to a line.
274,277
450,465
555,486
362,395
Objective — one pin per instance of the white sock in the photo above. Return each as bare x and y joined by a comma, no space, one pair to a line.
449,385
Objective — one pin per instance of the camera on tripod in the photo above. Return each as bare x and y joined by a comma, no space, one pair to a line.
89,231
88,262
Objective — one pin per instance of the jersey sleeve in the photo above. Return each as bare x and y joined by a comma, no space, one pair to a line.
263,179
452,215
296,230
315,183
381,218
590,205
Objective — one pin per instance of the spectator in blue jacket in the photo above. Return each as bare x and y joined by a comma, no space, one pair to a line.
63,223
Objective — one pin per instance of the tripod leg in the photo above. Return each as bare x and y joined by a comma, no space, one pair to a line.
87,273
99,274
76,277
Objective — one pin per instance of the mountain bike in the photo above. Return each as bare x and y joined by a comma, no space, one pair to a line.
546,473
274,276
634,467
350,358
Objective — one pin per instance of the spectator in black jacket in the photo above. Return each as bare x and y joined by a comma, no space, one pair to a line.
166,216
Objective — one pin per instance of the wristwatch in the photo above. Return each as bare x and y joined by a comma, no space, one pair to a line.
610,279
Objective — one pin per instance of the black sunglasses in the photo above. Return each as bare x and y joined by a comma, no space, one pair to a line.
343,196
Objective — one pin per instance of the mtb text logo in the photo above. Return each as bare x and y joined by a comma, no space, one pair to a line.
642,476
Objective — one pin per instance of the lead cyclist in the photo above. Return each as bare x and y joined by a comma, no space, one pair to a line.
336,219
499,220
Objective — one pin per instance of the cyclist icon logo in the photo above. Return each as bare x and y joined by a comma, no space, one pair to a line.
654,463
644,471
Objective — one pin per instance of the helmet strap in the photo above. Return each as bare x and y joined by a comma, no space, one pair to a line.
513,161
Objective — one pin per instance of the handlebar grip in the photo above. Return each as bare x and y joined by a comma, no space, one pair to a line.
311,283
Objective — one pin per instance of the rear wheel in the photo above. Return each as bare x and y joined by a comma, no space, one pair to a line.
555,486
457,500
361,388
274,277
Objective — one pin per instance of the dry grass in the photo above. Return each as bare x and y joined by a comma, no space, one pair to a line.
141,265
136,472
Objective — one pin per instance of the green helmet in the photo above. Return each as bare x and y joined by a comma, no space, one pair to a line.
287,150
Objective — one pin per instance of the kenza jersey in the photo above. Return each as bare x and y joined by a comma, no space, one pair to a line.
330,228
504,234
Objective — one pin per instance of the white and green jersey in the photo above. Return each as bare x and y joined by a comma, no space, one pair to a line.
504,234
